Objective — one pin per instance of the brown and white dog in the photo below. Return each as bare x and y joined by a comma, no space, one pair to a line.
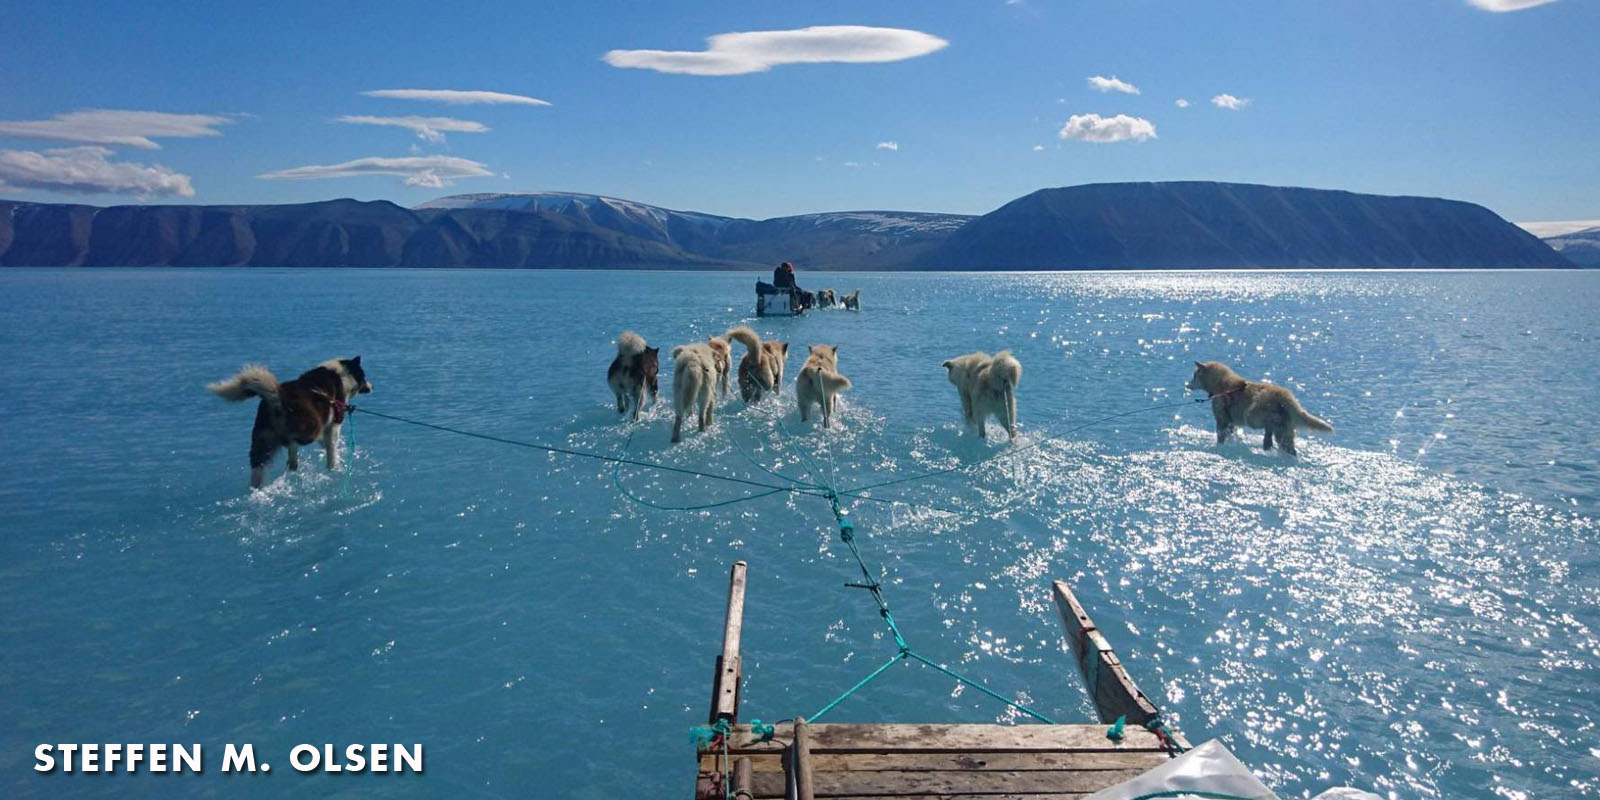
1238,403
819,382
694,385
633,373
988,387
296,413
761,369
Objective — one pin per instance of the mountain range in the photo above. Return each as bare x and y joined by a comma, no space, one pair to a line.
1097,226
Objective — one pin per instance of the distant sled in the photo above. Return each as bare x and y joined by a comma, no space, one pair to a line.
779,301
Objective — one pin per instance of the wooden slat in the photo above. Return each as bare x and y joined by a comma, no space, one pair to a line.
742,777
800,762
951,762
725,684
879,784
939,738
1112,690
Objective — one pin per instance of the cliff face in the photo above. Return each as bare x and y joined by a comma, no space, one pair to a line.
1102,226
1212,225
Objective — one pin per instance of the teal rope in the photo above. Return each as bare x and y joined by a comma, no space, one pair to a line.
737,445
616,481
350,452
852,690
986,690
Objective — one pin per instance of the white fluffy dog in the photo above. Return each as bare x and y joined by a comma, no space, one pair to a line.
988,388
694,385
819,382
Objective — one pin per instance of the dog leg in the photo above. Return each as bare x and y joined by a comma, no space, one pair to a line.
258,476
330,445
1286,438
1224,430
677,427
294,457
827,411
638,401
262,448
622,406
1266,440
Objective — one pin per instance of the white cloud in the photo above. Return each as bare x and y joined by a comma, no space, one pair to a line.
1095,128
428,129
1038,147
1181,103
853,164
890,145
1100,83
428,171
758,51
1502,6
456,97
113,127
85,170
1229,102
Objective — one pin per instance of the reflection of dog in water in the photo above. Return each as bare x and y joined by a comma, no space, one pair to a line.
295,413
1238,403
633,373
761,369
988,388
820,382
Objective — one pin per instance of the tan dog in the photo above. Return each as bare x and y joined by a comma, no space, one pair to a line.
1238,403
988,388
819,382
722,354
761,369
694,385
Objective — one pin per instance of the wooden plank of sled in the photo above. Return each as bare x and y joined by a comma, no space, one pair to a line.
948,738
880,784
802,777
742,780
954,762
725,684
1112,690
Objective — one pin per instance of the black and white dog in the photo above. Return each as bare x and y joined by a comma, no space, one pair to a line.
297,413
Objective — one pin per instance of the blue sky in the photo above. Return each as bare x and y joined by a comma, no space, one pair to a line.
1430,97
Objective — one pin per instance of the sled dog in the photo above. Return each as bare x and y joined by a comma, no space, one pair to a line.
296,413
1238,403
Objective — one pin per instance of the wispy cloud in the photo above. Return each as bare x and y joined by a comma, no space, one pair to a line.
427,171
114,127
1502,6
1229,102
86,170
889,145
1095,128
1100,83
457,97
1181,103
428,129
758,51
1038,147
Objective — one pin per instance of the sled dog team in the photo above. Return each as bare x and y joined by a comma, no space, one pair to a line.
311,408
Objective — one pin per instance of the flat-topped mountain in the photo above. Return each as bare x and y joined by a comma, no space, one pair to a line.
1206,225
1100,226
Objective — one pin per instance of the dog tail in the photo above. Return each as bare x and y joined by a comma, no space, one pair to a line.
1005,371
1303,419
630,344
743,335
825,381
252,381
